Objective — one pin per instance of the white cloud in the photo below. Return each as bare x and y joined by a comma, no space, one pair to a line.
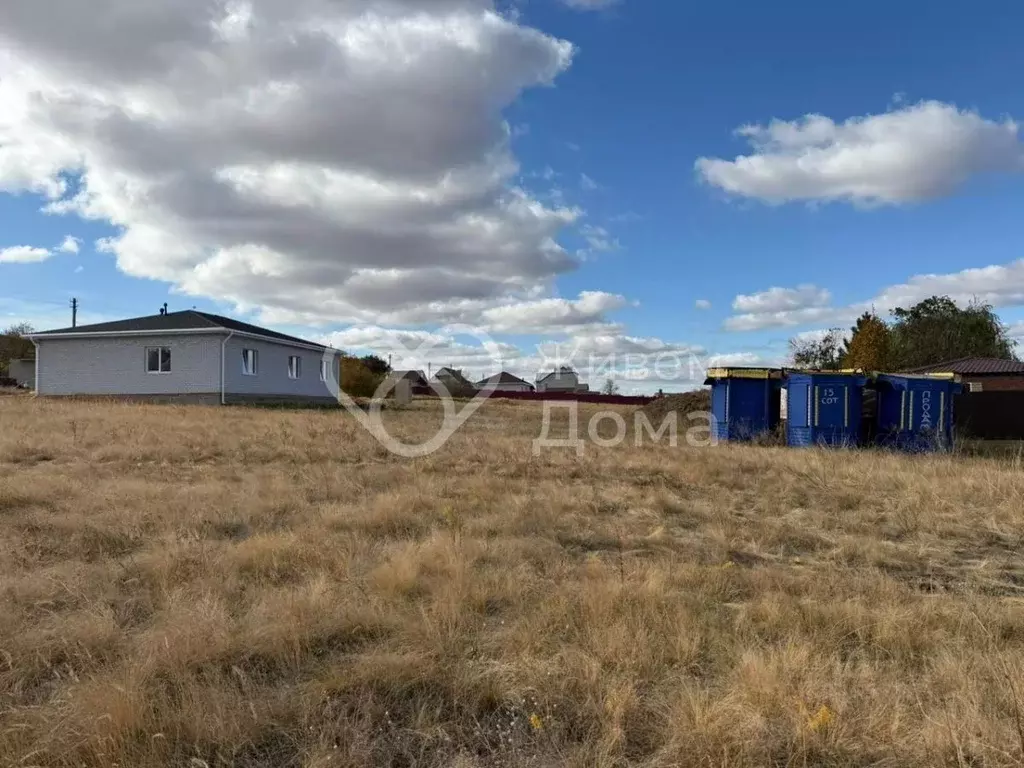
744,360
23,254
1016,332
783,307
648,363
915,153
998,285
599,239
423,350
45,315
321,161
782,299
554,315
70,245
702,304
588,183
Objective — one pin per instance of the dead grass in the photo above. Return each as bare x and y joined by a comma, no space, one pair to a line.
237,587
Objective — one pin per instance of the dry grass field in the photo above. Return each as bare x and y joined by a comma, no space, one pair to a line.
198,587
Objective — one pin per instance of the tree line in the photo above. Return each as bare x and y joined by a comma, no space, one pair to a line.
932,331
14,345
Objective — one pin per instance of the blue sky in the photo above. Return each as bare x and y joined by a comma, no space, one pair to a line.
626,178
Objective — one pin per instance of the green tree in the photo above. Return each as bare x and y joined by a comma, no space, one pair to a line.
357,380
378,366
14,345
937,329
868,344
821,354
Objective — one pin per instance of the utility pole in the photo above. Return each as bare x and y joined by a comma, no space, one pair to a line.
74,312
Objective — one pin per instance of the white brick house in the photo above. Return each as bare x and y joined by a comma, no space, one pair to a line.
184,356
563,379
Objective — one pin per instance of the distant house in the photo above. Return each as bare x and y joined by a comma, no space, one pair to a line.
981,374
564,379
184,356
417,381
505,382
454,381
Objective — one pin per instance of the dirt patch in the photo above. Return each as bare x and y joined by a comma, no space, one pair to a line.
683,404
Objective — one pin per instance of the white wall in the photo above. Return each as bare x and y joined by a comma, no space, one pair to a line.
561,382
116,365
271,378
511,387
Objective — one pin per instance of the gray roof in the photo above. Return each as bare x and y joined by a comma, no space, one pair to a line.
563,371
414,377
973,366
504,378
186,320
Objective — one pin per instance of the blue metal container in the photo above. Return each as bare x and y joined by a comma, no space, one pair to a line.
744,401
824,408
915,413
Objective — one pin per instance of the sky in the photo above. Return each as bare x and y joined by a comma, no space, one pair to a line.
635,188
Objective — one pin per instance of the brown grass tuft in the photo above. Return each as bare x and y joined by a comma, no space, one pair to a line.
234,587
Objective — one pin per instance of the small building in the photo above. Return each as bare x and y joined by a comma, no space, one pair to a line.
455,382
744,401
824,408
563,379
505,382
980,374
188,356
418,383
23,372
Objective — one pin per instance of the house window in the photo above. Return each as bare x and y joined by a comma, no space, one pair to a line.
250,362
294,366
158,359
974,386
324,368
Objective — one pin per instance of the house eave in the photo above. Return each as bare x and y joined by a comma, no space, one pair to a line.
38,337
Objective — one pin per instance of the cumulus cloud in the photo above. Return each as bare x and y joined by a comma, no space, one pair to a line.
23,254
1016,332
584,314
70,245
702,304
999,285
778,299
915,153
599,239
320,161
426,350
648,363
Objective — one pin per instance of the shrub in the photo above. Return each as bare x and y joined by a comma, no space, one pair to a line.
357,380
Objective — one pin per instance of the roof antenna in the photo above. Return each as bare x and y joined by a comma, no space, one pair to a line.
163,309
